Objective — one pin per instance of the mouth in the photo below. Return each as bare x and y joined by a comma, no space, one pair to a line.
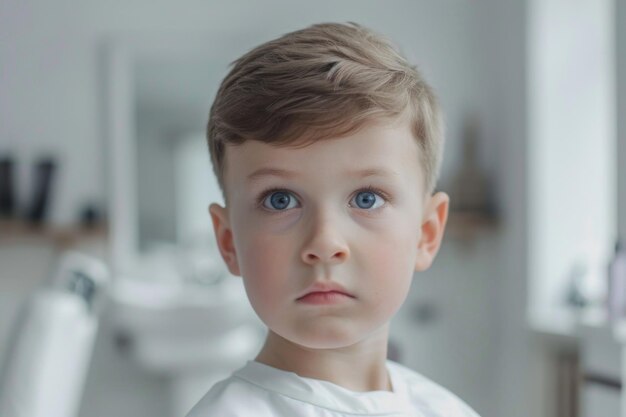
325,297
325,292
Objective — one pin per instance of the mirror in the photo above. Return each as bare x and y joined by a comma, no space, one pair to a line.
175,182
159,89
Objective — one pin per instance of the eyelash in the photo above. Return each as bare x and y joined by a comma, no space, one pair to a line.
263,195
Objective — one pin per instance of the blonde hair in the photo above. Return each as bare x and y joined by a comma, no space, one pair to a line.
323,81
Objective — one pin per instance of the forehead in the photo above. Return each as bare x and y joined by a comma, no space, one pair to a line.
383,149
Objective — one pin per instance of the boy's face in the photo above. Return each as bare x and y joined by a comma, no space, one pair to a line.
322,223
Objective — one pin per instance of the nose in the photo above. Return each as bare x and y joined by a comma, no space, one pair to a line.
325,243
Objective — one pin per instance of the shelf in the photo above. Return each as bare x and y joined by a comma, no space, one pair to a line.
20,232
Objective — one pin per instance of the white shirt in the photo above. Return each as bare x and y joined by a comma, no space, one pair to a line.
259,390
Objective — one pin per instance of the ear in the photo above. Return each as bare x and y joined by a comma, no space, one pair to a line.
433,226
224,237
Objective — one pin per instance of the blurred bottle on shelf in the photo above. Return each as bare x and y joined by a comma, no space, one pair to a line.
7,188
616,299
42,190
470,190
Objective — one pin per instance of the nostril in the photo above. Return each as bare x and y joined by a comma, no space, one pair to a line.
340,255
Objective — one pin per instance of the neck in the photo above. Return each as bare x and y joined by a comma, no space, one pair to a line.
360,367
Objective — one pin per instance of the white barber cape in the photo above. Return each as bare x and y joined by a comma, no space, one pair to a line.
259,390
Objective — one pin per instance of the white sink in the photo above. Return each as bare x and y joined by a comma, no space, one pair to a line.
176,328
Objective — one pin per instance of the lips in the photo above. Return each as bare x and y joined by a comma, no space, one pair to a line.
325,287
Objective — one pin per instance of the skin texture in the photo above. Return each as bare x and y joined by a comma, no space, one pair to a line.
323,231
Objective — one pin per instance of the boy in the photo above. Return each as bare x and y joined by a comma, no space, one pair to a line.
326,144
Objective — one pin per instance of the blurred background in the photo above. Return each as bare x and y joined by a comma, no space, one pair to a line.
103,107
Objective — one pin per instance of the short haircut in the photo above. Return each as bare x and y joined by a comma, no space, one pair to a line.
327,80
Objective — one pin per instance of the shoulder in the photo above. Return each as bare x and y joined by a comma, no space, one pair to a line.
431,398
233,397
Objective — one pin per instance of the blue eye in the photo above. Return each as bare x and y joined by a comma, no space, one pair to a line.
367,199
279,200
276,199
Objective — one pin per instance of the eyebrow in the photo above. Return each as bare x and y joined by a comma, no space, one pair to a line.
361,173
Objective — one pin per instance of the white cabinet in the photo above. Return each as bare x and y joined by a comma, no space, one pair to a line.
600,401
601,384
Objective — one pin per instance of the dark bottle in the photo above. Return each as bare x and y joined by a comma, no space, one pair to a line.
42,190
7,189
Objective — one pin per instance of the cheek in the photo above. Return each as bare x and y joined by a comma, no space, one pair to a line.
390,260
265,270
392,246
263,246
391,268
